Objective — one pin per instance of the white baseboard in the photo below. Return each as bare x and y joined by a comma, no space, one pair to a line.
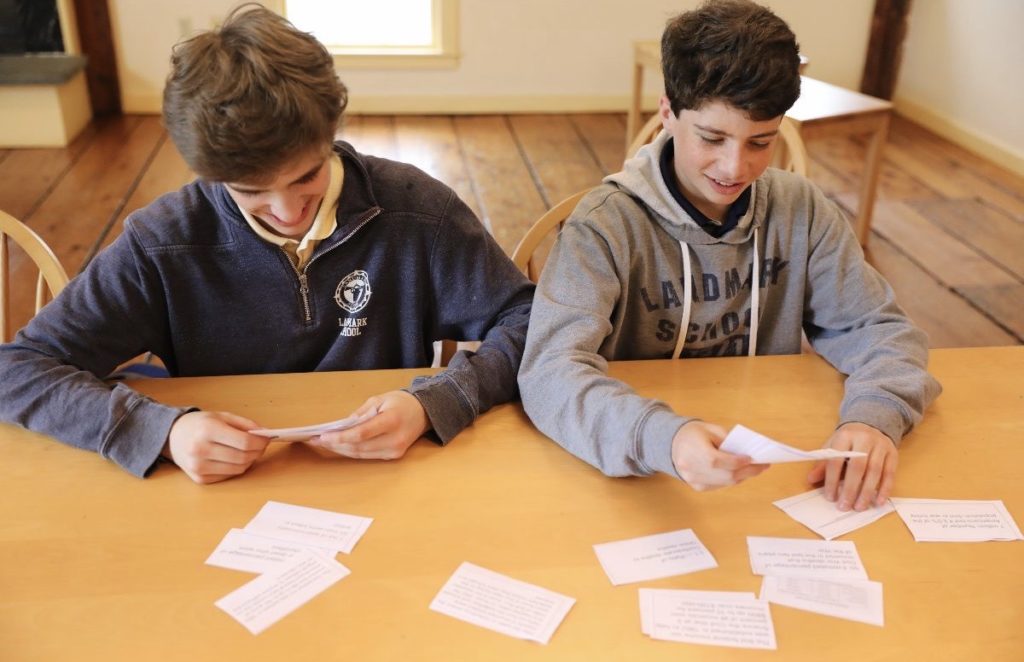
476,104
141,104
957,132
452,104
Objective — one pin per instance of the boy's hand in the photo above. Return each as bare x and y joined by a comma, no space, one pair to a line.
213,446
867,480
699,462
399,422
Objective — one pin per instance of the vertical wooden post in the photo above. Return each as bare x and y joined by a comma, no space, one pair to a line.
885,48
93,19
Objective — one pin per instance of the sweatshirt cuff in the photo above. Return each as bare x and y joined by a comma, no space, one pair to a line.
879,413
447,408
654,440
135,443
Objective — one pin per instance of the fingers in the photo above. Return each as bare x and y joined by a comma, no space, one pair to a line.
853,483
728,461
868,480
364,432
700,463
379,438
750,471
817,473
833,474
213,446
205,473
888,478
371,404
400,420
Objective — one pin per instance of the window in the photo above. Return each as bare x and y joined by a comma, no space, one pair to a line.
361,33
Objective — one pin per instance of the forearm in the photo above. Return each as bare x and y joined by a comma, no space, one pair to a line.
76,408
598,419
862,331
475,381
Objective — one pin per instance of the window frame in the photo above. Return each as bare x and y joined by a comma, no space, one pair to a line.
444,55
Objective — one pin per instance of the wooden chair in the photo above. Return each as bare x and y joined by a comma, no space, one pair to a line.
525,254
790,152
52,277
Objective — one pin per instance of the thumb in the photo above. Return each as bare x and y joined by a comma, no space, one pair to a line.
236,421
372,404
817,473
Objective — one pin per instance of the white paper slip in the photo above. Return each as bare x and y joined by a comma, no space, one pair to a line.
310,431
744,441
853,600
496,602
272,596
823,517
241,550
653,557
647,601
698,618
794,557
335,532
945,520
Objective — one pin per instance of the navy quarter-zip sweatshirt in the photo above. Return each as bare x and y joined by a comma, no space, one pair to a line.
408,264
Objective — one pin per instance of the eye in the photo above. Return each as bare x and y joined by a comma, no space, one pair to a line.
711,141
760,145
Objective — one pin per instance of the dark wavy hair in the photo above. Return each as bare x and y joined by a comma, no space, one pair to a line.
734,51
246,99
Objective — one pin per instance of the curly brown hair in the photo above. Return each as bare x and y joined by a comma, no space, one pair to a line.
734,51
246,99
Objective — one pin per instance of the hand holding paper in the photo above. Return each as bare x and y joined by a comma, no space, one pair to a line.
310,431
400,421
762,450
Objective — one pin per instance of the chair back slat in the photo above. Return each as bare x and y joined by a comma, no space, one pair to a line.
52,277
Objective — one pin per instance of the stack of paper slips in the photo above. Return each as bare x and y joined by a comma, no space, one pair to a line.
293,549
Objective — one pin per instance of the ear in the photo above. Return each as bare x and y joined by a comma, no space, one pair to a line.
665,112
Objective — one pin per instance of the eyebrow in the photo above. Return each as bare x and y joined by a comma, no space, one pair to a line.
719,132
307,175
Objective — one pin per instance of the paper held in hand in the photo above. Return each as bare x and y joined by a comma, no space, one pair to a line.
310,431
743,441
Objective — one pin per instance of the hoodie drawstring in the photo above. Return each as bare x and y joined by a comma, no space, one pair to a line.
755,296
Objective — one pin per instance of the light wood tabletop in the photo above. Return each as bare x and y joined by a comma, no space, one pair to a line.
98,565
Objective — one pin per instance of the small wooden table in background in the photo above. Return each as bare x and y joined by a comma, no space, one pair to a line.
822,110
98,565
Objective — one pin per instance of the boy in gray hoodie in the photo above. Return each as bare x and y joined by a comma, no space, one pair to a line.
696,249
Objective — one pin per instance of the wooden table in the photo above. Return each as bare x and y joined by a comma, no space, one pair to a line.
98,565
823,110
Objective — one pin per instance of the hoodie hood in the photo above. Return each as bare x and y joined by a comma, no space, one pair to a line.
641,178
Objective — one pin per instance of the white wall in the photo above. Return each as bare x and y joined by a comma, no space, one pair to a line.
577,54
517,55
963,74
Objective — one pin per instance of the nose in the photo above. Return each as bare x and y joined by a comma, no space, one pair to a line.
733,163
288,207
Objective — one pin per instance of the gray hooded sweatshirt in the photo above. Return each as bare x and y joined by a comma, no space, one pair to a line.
616,287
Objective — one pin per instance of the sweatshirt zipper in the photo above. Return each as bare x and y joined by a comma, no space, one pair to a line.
304,279
304,291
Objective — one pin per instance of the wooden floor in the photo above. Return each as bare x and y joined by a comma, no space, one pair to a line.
948,228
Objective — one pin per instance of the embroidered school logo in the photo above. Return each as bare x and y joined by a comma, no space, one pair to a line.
353,291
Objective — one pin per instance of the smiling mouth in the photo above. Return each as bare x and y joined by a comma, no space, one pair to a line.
301,218
723,184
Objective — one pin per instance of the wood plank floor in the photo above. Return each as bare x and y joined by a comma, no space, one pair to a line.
948,228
